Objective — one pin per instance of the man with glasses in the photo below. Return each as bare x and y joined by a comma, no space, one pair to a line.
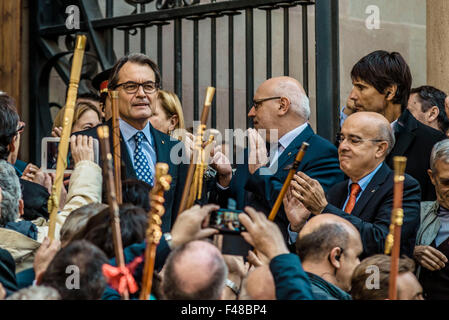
281,111
137,79
366,198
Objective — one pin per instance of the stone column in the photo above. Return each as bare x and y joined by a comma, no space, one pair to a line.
437,29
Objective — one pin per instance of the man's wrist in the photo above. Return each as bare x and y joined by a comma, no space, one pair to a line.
224,179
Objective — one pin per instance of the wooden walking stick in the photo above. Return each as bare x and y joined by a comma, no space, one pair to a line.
61,164
187,198
103,135
393,241
292,171
116,145
154,232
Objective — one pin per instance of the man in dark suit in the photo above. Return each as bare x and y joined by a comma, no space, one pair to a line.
381,83
7,272
415,141
281,107
137,79
366,198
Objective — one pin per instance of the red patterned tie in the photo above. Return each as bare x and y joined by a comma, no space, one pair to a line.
355,190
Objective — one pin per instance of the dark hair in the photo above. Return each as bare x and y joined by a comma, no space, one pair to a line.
360,291
317,244
138,58
9,120
78,256
133,225
382,69
430,96
172,285
89,96
78,218
136,192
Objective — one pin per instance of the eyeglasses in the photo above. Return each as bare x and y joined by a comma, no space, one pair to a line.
132,87
355,140
257,103
21,127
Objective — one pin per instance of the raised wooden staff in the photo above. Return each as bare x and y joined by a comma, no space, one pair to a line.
393,241
154,232
103,135
187,199
292,171
61,164
116,145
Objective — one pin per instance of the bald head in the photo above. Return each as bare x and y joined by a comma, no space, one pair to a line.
375,125
292,89
260,285
195,270
324,232
366,139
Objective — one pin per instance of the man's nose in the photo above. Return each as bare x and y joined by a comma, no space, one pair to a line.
343,146
252,112
140,92
353,95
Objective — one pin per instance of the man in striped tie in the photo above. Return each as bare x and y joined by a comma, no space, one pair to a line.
366,198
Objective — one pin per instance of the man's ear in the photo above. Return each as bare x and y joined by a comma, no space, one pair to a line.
391,92
284,106
382,149
21,207
334,257
430,173
432,113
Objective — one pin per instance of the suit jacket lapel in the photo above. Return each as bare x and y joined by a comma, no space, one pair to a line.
374,185
292,149
162,153
127,164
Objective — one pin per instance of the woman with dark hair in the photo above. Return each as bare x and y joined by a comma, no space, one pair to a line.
133,225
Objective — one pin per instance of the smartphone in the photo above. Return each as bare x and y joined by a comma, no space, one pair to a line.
226,221
49,155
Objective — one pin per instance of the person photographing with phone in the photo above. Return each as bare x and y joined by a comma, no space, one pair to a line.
22,237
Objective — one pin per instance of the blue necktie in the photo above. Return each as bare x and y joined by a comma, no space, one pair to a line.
141,165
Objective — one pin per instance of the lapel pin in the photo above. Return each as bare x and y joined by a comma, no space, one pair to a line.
163,142
289,153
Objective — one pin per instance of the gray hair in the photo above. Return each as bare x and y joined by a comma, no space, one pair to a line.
386,134
298,100
11,192
440,151
36,293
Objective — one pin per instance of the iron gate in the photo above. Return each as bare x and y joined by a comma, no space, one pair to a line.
49,34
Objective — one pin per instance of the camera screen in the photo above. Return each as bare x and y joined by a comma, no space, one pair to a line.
227,221
52,156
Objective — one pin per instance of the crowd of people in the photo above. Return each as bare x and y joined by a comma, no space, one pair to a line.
327,241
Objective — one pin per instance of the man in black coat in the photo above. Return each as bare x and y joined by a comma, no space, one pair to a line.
137,79
366,198
381,83
415,141
7,272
